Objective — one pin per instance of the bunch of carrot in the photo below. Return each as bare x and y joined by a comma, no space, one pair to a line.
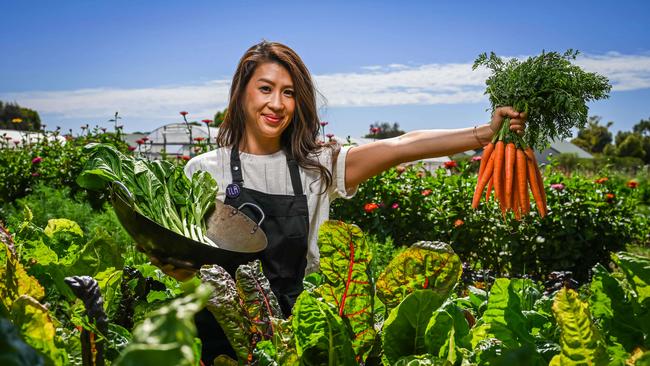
508,169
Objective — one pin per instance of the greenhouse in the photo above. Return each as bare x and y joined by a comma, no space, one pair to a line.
176,139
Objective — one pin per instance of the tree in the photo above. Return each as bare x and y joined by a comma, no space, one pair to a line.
15,117
219,116
594,137
630,145
384,130
643,127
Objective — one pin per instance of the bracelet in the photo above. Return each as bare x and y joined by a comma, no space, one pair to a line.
476,136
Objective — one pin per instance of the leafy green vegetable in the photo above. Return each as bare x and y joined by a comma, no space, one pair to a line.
581,341
345,259
431,265
167,336
404,330
321,335
447,332
549,87
13,351
160,189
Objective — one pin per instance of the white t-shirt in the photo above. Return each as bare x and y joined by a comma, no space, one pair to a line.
270,174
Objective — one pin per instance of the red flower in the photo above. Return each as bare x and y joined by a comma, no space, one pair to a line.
395,206
426,192
375,130
369,207
103,129
37,160
145,139
139,142
632,184
183,113
450,164
185,157
458,222
207,121
330,135
323,123
131,148
602,180
609,197
35,174
199,139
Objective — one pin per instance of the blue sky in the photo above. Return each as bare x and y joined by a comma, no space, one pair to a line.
78,62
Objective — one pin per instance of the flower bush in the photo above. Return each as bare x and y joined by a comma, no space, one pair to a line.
588,218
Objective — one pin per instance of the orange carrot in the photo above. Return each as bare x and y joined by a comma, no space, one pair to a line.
534,187
482,182
511,155
516,207
522,189
497,176
531,155
487,152
489,190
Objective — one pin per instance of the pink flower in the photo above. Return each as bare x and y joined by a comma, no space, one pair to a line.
450,164
369,207
207,121
395,206
632,184
330,135
323,123
183,113
426,192
476,158
37,160
557,186
35,174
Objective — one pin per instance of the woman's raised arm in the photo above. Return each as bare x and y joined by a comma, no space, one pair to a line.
366,161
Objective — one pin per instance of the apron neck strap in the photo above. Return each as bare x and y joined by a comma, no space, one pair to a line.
238,178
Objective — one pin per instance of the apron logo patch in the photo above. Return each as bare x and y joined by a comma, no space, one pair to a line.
233,190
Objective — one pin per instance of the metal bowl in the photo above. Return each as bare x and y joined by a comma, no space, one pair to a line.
239,239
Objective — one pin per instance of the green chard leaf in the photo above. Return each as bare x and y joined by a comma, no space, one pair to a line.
580,340
446,332
224,304
345,259
13,350
404,330
425,265
613,307
167,336
637,271
322,337
258,300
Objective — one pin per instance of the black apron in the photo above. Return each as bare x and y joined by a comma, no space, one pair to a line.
286,225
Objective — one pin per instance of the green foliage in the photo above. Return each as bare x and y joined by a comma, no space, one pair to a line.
384,130
167,336
13,350
59,165
594,137
582,227
581,342
12,113
219,116
549,87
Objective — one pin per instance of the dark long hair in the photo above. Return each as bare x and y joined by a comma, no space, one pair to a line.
300,137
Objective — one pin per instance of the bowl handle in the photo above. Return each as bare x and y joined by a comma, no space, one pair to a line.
257,207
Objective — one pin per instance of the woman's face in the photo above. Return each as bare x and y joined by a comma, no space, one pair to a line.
269,105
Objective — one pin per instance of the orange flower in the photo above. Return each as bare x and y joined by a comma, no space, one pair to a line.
458,222
369,207
632,184
602,180
609,197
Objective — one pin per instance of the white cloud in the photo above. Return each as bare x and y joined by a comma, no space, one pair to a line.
375,85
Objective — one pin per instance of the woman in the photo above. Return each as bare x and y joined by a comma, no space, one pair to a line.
269,155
